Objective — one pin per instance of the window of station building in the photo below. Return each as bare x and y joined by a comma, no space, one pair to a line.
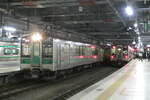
47,49
7,51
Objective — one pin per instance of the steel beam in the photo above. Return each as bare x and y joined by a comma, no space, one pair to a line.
90,21
52,3
116,11
107,33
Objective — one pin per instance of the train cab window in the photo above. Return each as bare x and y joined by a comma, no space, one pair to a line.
25,48
15,51
47,49
7,51
94,51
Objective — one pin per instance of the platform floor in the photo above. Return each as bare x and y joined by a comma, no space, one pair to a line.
9,66
132,82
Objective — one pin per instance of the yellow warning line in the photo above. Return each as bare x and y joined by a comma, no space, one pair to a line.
112,88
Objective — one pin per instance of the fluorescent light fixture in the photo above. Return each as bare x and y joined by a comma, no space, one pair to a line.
129,28
138,32
133,42
139,38
119,49
10,29
147,45
135,25
108,44
129,10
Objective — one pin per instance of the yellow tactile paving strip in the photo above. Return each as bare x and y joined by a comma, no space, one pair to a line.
112,88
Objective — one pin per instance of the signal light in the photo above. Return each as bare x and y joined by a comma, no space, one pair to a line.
114,47
94,56
112,56
81,56
126,56
93,46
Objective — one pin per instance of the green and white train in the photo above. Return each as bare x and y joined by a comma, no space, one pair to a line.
48,56
9,51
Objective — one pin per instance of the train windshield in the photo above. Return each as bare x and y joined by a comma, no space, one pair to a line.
47,48
25,47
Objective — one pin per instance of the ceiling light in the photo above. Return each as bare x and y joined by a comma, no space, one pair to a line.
129,28
139,38
108,44
129,11
133,42
8,28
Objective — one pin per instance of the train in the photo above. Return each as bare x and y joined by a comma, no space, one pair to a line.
47,56
51,55
9,51
118,54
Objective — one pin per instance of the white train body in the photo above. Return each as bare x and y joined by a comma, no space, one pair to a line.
56,54
9,51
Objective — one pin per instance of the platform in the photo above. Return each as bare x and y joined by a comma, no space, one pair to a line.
129,83
10,66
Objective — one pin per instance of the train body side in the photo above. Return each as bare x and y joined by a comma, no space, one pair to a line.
64,55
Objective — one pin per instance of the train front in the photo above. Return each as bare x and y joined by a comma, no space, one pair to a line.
36,53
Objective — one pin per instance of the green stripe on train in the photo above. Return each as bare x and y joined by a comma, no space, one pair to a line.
10,46
47,61
50,61
26,61
9,56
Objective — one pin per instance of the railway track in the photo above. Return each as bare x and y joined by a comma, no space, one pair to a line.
10,91
78,88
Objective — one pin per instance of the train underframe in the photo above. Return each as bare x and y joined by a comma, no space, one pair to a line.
118,63
48,74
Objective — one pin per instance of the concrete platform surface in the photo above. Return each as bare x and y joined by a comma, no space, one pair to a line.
132,82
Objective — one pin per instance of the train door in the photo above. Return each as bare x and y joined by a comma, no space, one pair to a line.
36,54
59,56
65,55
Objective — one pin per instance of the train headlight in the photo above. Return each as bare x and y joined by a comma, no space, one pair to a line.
36,37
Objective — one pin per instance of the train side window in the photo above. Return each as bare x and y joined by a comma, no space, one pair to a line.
77,50
83,50
80,50
7,51
94,51
47,49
